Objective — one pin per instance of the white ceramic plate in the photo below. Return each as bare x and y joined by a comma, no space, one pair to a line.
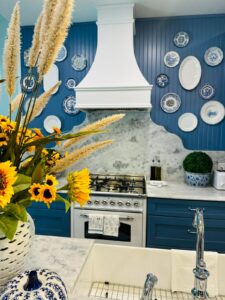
79,62
62,54
187,122
50,122
213,56
51,78
190,72
171,59
212,112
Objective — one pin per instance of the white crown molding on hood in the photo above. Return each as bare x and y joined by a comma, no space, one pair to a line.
114,80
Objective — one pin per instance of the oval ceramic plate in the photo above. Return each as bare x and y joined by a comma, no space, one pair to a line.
79,62
71,84
62,54
171,59
190,72
69,106
51,78
170,102
50,122
212,112
207,91
213,56
28,83
162,80
187,122
181,39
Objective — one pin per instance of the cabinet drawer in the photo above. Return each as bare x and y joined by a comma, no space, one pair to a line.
170,232
179,208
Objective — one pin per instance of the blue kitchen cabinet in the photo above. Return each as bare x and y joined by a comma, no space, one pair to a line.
169,222
54,221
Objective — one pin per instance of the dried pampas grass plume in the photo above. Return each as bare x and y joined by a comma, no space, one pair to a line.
36,45
43,100
70,159
16,102
12,51
55,36
99,125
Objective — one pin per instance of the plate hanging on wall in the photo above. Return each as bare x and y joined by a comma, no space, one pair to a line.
162,80
50,122
79,62
190,72
26,56
71,84
28,83
181,39
213,56
170,102
171,59
62,54
187,122
51,78
207,91
212,112
69,106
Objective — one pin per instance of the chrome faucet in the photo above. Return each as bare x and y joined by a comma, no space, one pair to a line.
150,282
201,274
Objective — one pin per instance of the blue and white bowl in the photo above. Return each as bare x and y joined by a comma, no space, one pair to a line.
197,179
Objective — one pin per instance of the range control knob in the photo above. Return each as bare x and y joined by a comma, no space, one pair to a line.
96,202
112,203
104,202
128,204
120,203
136,204
89,203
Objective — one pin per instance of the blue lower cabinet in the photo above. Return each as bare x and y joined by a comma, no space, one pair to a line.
54,221
169,228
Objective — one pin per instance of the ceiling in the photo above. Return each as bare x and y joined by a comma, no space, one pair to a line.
85,9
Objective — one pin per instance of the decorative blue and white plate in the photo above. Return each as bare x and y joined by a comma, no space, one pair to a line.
171,59
207,91
79,62
62,54
170,102
69,106
181,39
162,80
212,112
71,84
26,56
213,56
28,83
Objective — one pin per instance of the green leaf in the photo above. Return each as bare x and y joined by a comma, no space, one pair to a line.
22,179
17,211
25,202
65,201
21,187
38,173
8,225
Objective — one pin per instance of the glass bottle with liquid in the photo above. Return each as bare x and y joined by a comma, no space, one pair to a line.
155,170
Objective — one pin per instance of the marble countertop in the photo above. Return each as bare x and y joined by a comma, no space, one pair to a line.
179,190
65,256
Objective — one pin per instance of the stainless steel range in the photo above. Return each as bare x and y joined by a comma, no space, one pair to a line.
123,196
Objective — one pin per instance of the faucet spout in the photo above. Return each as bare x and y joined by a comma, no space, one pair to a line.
150,282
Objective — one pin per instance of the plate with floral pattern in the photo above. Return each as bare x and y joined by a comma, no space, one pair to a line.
62,54
28,83
212,112
79,62
170,102
162,80
71,84
181,39
207,91
69,106
171,59
213,56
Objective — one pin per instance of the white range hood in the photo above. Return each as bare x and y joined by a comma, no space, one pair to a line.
114,80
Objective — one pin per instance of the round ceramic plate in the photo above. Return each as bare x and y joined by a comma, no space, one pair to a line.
170,102
213,56
28,83
62,54
162,80
207,91
69,106
212,112
171,59
50,122
187,122
181,39
190,72
79,62
26,57
71,84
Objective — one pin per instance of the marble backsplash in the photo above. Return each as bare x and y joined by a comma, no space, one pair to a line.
137,141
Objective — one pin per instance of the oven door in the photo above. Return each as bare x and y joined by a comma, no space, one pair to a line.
130,230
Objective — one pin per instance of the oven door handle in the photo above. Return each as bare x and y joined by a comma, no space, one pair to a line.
127,218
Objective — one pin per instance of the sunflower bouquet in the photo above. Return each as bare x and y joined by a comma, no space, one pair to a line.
28,167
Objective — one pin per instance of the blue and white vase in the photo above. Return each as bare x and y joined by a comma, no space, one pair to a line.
197,179
40,284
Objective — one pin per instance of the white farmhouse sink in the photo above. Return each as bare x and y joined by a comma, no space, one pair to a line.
116,272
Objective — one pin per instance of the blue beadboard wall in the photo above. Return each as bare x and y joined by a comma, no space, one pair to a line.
154,37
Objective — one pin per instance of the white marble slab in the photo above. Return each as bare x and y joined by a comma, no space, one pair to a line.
66,256
178,190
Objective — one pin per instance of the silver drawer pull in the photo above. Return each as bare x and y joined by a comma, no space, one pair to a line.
121,218
191,232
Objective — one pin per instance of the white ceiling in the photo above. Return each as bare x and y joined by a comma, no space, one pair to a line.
85,9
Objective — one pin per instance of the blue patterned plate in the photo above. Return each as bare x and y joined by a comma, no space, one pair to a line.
79,62
212,112
62,54
28,83
171,59
69,106
71,84
170,102
162,80
207,91
213,56
181,39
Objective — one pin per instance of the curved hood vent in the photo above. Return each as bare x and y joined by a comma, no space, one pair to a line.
114,80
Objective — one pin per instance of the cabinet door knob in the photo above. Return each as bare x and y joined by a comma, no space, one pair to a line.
191,232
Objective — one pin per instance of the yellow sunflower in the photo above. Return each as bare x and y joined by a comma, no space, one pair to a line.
8,126
7,179
3,139
51,180
79,186
47,194
35,191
